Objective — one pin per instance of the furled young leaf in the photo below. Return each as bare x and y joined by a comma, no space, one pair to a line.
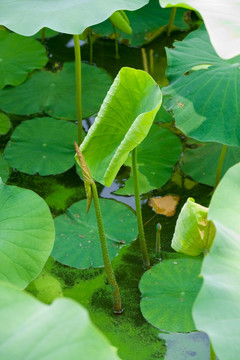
18,57
123,122
193,233
206,156
32,330
42,145
168,292
120,20
217,308
26,235
5,124
77,241
146,23
156,158
68,16
205,102
55,93
221,19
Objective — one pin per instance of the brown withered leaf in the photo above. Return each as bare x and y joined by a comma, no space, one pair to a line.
165,205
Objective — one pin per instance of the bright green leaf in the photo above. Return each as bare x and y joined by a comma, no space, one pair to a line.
5,124
77,241
206,156
120,20
55,93
42,145
193,233
205,102
168,292
26,235
19,56
123,122
221,19
32,330
217,308
156,157
72,17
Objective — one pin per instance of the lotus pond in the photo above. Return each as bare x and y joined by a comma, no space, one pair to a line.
119,168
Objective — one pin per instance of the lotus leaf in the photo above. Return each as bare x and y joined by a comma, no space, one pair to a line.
194,233
70,17
30,329
207,157
26,235
191,97
217,308
5,124
157,156
168,292
77,241
42,145
54,93
18,57
123,122
221,19
4,169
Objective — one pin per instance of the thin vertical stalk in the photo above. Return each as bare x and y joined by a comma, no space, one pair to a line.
43,35
220,166
144,59
116,42
212,353
90,41
158,242
141,235
171,20
117,304
77,51
151,56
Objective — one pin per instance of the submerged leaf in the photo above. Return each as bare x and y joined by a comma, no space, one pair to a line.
165,205
123,122
5,124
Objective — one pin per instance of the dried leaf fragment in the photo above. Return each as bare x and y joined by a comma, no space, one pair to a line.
165,205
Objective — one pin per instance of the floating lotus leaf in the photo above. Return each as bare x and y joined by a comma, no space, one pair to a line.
157,156
77,242
193,234
42,145
207,157
30,329
55,93
123,122
168,292
5,124
217,308
146,23
4,169
71,16
26,235
191,97
221,20
18,57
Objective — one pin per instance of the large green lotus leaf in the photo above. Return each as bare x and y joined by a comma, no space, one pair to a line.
123,122
221,20
5,124
55,93
207,157
77,242
205,102
67,16
18,57
168,292
217,308
4,169
31,330
194,345
163,116
42,145
146,24
26,235
193,233
156,158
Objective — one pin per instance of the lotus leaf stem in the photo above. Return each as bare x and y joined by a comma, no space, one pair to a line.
144,59
116,42
43,35
151,56
77,51
171,20
158,242
90,41
212,353
117,304
220,166
143,245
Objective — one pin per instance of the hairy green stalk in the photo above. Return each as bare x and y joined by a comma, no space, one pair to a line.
77,51
90,41
158,242
43,35
144,59
141,235
220,166
212,353
116,42
171,20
